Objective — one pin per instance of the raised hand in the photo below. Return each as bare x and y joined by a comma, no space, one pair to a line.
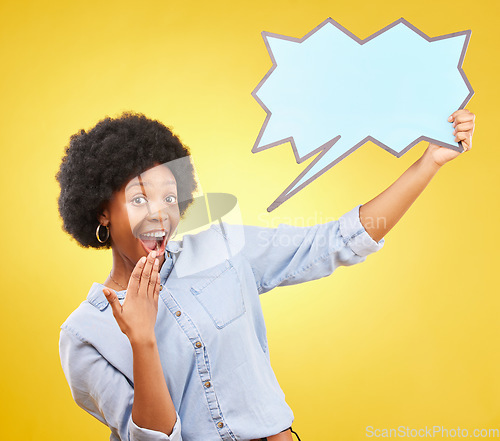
463,122
137,315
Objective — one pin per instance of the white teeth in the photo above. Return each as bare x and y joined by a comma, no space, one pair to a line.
157,234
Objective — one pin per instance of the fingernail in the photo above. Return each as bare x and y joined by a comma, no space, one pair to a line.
106,292
157,262
450,118
143,259
153,254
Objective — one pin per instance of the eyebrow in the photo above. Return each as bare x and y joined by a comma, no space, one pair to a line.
147,184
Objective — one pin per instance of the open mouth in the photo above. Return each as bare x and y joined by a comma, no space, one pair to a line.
154,241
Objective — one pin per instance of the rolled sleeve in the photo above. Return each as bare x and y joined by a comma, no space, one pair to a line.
355,235
140,434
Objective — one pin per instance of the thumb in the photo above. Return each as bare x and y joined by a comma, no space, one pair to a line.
112,298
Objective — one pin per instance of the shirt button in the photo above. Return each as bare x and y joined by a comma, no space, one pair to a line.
198,344
220,425
207,384
178,313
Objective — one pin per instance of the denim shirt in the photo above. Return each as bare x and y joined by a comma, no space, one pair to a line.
210,332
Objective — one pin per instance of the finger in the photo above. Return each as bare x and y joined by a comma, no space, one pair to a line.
146,274
157,288
153,281
462,127
460,136
112,299
452,117
463,118
467,143
135,278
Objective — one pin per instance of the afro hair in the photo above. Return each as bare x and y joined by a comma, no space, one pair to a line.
99,162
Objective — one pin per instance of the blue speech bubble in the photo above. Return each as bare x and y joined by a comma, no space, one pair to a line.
330,92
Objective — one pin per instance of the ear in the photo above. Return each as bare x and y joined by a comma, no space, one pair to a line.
103,217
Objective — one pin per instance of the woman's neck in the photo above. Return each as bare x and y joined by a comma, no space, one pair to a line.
122,270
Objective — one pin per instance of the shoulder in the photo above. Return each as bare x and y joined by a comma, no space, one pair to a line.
92,329
93,321
92,314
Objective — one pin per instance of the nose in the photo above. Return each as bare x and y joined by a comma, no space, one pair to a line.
157,212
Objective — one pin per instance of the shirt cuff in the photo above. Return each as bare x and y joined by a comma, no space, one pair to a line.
140,434
355,235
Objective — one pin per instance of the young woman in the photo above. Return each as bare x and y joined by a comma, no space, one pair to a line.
172,346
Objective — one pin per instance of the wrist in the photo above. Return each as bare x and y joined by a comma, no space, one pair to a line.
428,162
142,341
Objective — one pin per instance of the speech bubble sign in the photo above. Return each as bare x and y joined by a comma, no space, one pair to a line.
330,92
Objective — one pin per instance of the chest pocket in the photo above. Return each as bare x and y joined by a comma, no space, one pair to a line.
221,294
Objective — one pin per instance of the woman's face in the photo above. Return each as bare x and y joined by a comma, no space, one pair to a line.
143,214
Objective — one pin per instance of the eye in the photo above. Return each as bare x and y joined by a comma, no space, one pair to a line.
171,199
139,200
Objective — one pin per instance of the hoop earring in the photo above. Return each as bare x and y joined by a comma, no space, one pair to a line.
97,233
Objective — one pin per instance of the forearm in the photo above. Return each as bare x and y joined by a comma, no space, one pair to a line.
379,215
153,407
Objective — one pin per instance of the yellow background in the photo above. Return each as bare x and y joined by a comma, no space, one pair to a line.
410,337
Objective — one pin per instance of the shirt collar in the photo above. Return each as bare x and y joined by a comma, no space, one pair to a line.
97,298
173,246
